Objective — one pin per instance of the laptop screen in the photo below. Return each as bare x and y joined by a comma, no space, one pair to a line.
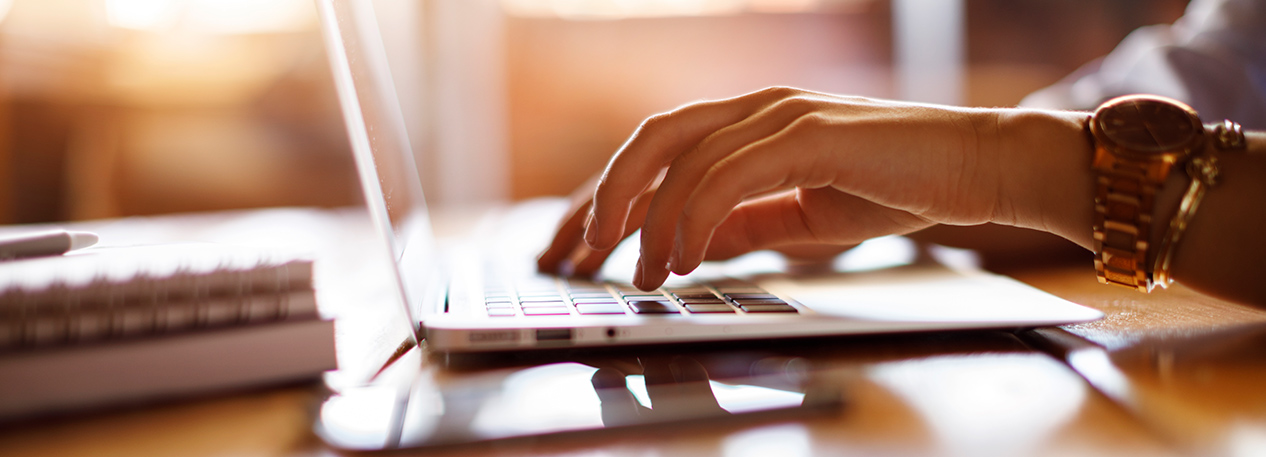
380,144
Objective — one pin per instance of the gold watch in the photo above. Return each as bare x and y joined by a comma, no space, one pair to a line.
1139,139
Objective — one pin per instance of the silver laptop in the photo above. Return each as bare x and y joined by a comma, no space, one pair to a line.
493,301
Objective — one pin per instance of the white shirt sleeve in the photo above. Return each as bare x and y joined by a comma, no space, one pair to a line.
1213,58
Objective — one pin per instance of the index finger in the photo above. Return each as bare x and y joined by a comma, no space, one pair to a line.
570,229
659,140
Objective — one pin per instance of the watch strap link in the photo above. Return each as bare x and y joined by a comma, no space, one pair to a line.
1125,196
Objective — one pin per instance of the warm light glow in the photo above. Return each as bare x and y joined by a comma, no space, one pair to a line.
4,8
622,9
782,6
210,16
141,14
983,404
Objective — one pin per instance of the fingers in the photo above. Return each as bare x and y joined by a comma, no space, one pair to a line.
860,168
656,143
566,238
678,388
567,255
619,406
763,166
687,169
756,169
585,261
570,230
758,166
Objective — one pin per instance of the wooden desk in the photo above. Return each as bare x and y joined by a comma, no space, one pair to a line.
975,393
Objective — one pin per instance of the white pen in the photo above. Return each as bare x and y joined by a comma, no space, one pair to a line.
44,243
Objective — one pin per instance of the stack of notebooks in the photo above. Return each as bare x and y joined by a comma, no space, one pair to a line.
120,325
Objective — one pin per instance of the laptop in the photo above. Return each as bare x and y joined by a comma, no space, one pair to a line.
490,300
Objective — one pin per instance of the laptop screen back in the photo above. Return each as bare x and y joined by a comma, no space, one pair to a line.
380,144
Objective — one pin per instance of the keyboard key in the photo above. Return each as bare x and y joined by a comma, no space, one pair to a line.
501,312
543,304
547,311
751,296
499,304
689,291
696,296
599,308
746,301
607,299
703,301
678,282
709,308
653,307
770,308
644,296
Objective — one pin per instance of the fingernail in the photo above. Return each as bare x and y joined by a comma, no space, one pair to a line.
637,274
591,230
674,259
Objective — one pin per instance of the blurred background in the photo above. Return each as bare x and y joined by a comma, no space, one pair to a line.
113,108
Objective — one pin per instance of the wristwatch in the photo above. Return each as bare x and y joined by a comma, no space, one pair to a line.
1139,139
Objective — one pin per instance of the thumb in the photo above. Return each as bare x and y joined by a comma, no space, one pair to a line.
807,219
761,224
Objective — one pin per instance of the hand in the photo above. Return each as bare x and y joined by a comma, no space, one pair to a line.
568,254
782,167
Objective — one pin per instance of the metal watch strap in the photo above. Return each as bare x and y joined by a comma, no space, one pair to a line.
1125,197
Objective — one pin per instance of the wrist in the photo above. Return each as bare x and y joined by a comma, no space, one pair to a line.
1046,182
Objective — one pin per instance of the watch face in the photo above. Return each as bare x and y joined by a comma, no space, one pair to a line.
1148,125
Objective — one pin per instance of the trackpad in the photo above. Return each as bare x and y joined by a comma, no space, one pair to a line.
928,293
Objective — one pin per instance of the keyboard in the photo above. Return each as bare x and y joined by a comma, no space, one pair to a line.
551,296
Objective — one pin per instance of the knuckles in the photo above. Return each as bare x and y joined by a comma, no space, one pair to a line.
656,123
777,92
809,122
798,104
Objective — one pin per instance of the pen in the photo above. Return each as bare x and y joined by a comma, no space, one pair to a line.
44,243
